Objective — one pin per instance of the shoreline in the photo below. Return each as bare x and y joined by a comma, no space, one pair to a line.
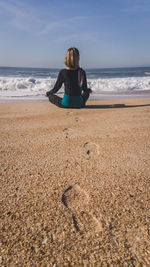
93,97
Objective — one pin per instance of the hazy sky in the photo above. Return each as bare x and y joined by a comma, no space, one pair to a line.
108,33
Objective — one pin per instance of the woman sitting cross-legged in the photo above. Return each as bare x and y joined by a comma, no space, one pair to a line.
75,83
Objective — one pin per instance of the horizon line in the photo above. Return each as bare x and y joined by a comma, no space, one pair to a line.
143,66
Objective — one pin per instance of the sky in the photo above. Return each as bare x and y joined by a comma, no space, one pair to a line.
108,33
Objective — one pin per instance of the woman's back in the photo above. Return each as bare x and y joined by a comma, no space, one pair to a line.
70,78
71,82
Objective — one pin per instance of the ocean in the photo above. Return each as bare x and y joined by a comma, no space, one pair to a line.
32,83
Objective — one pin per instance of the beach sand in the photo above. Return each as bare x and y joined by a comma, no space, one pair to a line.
75,184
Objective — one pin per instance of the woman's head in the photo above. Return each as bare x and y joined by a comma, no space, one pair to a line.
72,58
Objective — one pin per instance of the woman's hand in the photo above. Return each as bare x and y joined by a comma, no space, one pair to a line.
90,90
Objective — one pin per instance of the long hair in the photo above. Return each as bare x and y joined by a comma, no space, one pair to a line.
72,58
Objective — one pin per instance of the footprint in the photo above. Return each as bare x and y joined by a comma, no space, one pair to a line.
77,200
78,119
67,131
68,112
91,149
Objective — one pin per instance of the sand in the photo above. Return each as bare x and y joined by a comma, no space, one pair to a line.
75,184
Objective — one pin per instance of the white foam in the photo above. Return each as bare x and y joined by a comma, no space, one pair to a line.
119,84
19,86
10,86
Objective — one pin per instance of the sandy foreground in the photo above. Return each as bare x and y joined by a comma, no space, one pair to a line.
75,184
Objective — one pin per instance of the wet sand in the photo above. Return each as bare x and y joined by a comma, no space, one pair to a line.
75,184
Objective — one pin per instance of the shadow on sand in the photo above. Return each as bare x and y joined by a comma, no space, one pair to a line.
114,106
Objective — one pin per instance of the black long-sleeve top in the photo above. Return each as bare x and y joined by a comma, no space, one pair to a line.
70,78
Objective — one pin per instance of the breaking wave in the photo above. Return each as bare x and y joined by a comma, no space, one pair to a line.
14,86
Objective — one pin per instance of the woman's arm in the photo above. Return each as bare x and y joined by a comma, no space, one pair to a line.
57,85
84,84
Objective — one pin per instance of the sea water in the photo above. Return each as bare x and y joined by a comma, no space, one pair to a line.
32,83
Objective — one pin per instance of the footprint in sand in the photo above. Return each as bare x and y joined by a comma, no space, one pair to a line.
78,119
67,131
68,112
91,149
76,200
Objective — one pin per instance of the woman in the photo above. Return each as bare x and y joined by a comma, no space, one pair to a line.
74,79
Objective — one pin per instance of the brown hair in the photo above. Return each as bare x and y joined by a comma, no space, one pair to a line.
72,58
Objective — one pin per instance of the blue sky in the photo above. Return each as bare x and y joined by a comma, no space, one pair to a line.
108,33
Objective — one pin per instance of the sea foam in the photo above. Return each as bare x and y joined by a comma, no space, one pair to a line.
30,86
